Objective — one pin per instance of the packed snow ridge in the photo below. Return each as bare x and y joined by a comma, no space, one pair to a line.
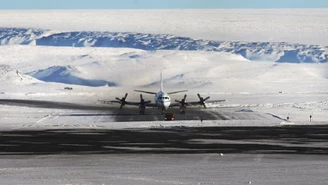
254,51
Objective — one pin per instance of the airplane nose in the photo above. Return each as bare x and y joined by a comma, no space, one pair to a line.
167,105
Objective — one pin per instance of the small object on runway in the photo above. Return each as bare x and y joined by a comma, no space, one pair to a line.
169,116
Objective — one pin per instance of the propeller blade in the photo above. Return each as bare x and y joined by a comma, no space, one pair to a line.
123,102
177,101
185,96
202,100
141,96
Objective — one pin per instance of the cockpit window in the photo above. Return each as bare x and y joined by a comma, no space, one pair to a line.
163,98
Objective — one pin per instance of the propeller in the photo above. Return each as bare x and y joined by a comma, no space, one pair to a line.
202,100
143,102
122,100
142,105
183,102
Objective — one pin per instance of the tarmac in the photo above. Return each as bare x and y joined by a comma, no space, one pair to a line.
292,139
175,140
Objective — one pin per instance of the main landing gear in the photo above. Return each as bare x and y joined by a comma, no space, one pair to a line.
142,111
183,105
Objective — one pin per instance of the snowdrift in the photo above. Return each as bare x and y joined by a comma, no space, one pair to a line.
11,76
66,74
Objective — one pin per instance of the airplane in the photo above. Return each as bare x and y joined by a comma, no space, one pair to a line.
163,100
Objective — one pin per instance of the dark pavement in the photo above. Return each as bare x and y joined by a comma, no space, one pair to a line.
311,139
176,140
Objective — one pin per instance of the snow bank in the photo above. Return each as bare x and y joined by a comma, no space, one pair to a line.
67,75
11,76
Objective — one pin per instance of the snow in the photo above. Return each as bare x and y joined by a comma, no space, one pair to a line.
213,71
267,64
10,75
307,26
282,52
278,89
239,169
237,55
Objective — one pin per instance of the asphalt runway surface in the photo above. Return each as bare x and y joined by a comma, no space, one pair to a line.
175,140
311,139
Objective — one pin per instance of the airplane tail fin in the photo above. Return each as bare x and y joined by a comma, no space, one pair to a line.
161,82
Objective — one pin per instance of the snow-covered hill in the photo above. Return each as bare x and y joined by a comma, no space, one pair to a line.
280,52
306,26
67,75
11,76
207,70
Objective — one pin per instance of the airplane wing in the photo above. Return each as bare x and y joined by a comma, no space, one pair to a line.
119,102
175,92
108,101
146,103
207,102
195,103
148,92
122,101
202,101
215,101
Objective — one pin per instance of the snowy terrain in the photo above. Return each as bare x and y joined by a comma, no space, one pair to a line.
306,26
280,52
277,67
267,64
42,73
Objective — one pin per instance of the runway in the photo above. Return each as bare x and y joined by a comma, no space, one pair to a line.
175,140
309,139
159,155
164,169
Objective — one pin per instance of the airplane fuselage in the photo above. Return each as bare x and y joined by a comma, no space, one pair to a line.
163,100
